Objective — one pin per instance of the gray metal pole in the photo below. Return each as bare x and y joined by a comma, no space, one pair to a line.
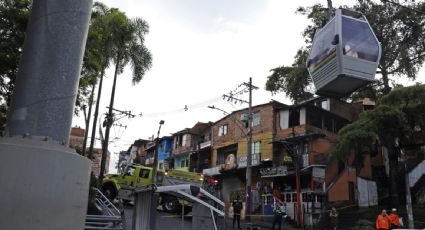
45,184
409,210
47,81
249,156
330,8
182,223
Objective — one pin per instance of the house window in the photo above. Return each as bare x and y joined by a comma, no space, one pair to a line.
294,117
184,163
144,173
184,141
222,130
256,119
256,147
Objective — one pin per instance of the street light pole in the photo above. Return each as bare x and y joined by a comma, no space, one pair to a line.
155,156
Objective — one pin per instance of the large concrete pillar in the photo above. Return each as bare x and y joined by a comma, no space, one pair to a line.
43,183
46,86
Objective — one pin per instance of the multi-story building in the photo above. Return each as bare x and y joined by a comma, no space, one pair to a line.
229,151
164,148
76,139
183,146
200,158
192,148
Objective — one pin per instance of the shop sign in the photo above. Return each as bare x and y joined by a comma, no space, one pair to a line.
318,174
274,171
242,161
287,159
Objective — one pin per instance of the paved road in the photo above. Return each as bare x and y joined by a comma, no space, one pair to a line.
164,220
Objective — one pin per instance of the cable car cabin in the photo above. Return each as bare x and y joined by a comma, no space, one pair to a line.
344,55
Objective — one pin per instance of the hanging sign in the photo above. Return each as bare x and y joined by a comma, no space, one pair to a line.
274,171
255,160
318,174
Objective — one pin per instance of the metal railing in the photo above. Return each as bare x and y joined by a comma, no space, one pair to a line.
110,218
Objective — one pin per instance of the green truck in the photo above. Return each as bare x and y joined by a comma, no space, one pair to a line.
122,185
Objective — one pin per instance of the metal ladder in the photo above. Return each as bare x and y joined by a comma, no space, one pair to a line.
110,219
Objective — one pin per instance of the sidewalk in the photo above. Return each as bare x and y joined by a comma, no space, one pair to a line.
258,222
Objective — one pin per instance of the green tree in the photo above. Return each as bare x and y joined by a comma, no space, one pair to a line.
398,117
400,31
14,16
128,48
97,57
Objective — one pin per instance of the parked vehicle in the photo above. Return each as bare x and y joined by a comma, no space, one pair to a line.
134,176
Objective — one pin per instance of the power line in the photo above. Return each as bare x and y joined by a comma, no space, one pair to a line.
403,6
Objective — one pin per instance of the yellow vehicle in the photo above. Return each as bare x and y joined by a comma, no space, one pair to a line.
122,185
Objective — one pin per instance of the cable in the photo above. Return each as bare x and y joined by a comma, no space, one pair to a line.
403,6
184,108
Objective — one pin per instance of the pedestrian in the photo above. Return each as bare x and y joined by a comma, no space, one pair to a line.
333,217
383,221
237,208
279,212
277,194
394,219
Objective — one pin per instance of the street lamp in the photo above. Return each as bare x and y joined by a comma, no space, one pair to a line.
155,156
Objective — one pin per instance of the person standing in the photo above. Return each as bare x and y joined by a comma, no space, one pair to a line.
279,212
237,208
333,217
394,219
277,194
383,221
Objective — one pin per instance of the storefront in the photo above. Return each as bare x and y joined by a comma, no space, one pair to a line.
284,181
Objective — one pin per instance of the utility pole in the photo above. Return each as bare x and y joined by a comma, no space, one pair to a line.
330,9
297,179
249,154
248,175
155,157
110,118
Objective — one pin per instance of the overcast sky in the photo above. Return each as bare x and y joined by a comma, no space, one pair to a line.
201,50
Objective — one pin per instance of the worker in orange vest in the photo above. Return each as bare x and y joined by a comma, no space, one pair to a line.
383,221
394,219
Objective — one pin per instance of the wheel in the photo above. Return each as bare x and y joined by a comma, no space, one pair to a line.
109,191
170,204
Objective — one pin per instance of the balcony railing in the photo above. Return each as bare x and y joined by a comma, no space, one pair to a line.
205,144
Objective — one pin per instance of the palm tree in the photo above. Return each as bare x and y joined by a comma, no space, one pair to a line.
129,48
97,57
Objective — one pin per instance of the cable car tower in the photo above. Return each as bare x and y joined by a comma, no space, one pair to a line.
344,56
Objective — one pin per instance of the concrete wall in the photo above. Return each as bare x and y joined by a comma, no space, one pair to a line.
339,191
230,183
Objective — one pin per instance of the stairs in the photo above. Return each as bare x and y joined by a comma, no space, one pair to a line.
110,217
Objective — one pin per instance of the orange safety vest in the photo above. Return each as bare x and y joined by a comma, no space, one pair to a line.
383,222
394,219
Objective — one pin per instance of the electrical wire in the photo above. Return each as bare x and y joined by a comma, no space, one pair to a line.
403,6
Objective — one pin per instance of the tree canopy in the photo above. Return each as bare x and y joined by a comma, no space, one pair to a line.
399,115
399,29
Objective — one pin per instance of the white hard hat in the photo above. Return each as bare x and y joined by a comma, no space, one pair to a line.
393,210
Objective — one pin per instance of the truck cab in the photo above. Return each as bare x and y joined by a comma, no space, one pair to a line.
134,176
